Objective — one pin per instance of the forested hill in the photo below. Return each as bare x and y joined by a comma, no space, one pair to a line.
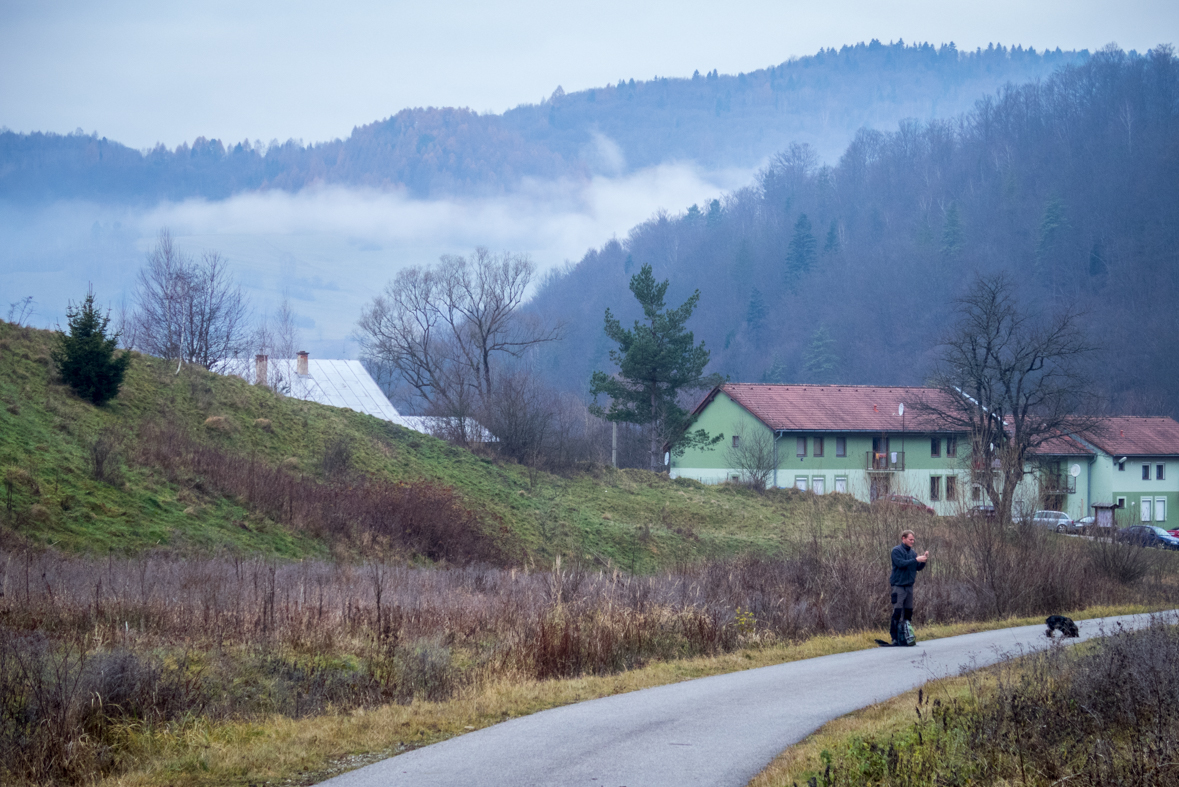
848,273
713,119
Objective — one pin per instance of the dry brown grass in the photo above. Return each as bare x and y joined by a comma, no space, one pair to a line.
250,651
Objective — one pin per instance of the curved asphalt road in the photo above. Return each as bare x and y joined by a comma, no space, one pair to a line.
713,732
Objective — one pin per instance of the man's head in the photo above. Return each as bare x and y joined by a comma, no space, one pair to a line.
908,539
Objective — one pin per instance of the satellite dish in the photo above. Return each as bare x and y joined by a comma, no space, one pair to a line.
901,409
1074,470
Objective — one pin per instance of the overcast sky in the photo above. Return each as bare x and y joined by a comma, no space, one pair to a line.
145,71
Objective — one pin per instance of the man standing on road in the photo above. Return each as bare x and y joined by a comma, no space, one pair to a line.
905,565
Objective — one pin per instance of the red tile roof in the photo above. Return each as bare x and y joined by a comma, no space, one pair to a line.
832,408
1128,435
1062,445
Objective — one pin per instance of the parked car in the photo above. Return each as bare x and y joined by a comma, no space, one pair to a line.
1174,532
983,512
1087,522
1148,536
905,502
1057,520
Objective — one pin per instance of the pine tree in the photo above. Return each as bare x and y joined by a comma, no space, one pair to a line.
755,315
820,361
801,254
832,246
656,359
952,233
86,357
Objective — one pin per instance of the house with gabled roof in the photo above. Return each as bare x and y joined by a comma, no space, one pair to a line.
860,440
1135,464
856,439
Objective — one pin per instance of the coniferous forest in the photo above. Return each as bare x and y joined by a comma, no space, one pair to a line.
849,272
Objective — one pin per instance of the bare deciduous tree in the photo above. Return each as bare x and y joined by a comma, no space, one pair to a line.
1012,379
438,330
752,454
189,310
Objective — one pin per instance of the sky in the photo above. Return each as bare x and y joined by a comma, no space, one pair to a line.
143,72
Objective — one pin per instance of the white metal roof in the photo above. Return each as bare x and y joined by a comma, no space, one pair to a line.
341,384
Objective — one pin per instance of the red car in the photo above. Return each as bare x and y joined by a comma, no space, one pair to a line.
905,502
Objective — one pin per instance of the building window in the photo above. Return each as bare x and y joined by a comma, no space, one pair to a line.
976,493
935,487
951,488
1146,472
1158,472
1160,509
1121,467
817,448
841,485
736,440
801,449
800,483
819,484
1144,508
1121,502
935,446
951,446
841,446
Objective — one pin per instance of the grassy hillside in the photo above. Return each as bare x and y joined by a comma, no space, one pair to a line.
155,468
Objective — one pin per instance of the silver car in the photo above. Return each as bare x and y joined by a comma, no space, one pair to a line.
1057,520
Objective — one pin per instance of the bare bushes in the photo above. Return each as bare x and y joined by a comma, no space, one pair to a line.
105,457
61,705
1120,561
418,518
1107,715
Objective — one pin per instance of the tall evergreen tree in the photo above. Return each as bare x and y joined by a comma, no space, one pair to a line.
801,254
86,357
656,360
832,245
755,315
820,361
952,233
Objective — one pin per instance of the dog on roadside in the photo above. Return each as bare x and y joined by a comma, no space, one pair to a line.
1060,623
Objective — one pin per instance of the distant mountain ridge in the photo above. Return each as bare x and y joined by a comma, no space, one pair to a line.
715,120
848,273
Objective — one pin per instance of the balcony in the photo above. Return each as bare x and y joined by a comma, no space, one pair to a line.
1058,484
889,462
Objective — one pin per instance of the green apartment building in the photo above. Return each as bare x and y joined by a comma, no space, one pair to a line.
862,441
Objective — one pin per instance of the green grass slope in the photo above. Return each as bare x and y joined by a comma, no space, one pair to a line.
54,493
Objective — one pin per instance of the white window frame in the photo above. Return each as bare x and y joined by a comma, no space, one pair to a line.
1144,509
819,484
800,482
1160,509
841,484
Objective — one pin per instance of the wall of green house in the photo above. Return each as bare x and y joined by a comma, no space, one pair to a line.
725,417
1110,484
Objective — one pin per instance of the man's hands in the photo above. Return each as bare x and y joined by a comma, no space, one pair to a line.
923,557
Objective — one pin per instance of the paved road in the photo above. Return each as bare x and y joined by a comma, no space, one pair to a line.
713,732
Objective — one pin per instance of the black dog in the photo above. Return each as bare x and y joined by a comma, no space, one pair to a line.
1062,624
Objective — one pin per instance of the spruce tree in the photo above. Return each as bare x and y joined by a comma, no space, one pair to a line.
820,361
656,359
952,233
801,254
86,357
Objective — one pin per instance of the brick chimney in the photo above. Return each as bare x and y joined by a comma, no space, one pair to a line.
260,370
301,367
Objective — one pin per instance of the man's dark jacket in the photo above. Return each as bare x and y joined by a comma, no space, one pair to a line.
904,566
